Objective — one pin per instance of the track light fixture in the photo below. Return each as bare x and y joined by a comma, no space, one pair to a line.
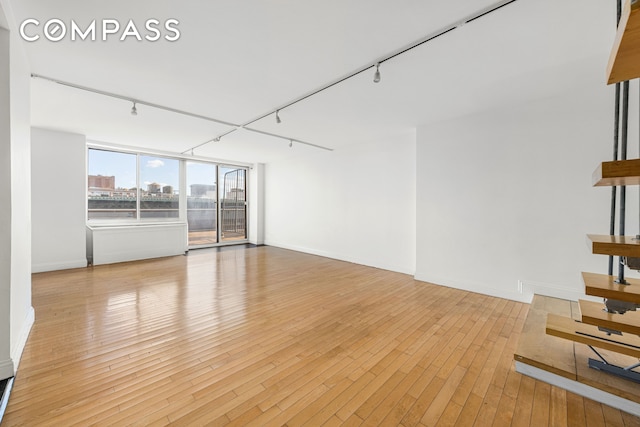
216,139
134,110
376,76
291,143
278,117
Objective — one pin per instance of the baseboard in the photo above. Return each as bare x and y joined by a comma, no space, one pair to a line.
579,388
7,369
560,292
16,352
479,288
54,266
341,257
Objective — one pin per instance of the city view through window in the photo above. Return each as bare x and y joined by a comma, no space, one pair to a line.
126,187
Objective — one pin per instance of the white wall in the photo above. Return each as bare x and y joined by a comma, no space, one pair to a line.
6,365
58,200
356,204
505,197
256,204
15,220
22,315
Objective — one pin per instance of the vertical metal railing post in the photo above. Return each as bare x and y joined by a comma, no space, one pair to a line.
623,156
616,138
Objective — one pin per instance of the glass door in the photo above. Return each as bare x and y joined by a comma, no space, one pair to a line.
202,201
233,204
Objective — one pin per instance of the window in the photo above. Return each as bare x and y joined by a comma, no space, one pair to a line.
233,206
202,201
160,187
112,189
129,187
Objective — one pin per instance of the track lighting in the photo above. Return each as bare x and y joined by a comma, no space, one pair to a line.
246,125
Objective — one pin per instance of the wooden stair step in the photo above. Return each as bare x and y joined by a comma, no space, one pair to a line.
567,328
566,358
618,172
593,313
603,285
543,351
624,61
604,244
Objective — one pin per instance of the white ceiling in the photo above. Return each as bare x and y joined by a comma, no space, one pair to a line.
238,60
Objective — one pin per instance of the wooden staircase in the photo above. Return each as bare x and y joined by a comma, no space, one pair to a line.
594,325
560,337
562,340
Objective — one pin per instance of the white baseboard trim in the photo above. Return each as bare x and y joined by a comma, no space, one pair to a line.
16,352
579,388
7,370
479,288
54,266
560,292
340,257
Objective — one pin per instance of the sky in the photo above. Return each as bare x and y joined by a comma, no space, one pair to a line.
162,170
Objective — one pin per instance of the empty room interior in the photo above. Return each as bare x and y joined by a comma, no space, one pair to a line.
274,212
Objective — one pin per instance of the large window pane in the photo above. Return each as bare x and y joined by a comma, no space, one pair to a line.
159,187
111,188
202,203
233,207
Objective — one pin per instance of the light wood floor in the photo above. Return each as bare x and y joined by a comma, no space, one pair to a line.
265,336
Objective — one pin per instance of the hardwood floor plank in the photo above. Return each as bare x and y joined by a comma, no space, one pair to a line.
558,407
594,414
470,411
576,416
524,402
541,398
441,400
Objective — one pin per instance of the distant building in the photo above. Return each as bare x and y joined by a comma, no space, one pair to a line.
154,188
105,182
167,189
125,193
101,186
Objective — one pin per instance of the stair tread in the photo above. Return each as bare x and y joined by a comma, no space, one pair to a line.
568,328
543,351
567,358
604,244
602,285
593,313
624,59
617,172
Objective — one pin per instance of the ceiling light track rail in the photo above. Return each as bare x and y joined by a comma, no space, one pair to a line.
288,139
479,14
138,102
130,99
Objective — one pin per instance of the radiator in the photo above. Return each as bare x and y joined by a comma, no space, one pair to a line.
110,244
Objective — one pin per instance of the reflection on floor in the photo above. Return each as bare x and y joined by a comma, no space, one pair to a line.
209,237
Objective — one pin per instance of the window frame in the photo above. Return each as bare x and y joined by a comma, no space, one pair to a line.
182,209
